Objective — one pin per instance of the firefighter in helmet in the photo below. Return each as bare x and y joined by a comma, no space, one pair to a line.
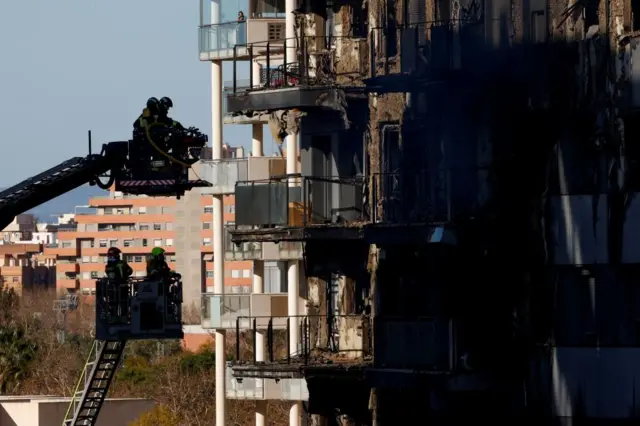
118,273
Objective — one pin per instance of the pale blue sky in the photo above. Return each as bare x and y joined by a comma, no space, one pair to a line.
67,66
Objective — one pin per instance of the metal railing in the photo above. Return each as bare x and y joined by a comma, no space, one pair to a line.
411,196
428,48
225,310
222,36
346,336
242,251
421,343
225,173
313,201
315,62
247,388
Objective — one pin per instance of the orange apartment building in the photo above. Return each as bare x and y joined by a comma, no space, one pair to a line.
136,224
25,267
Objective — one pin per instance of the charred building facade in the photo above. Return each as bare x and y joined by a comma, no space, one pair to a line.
460,184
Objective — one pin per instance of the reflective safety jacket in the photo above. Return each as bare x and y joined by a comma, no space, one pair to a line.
119,270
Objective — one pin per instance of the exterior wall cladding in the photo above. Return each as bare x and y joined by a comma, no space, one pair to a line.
494,247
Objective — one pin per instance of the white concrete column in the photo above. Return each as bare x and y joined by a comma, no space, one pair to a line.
258,287
257,138
290,30
292,157
293,284
255,74
218,235
215,11
295,413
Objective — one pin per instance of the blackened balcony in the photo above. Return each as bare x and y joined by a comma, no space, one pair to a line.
293,207
312,78
338,341
404,56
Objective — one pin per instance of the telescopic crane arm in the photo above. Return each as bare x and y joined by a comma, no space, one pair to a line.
143,175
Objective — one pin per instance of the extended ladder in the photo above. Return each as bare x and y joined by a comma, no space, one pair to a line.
95,379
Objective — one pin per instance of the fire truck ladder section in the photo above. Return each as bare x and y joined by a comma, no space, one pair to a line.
92,388
50,184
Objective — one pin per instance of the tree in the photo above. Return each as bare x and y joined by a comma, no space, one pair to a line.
159,416
16,354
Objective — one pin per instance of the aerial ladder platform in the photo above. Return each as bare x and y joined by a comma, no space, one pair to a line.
145,309
93,385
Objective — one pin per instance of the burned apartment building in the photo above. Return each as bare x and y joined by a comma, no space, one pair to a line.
464,205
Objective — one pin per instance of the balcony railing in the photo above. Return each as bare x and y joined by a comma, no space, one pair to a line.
415,196
224,174
318,65
242,251
415,343
219,40
247,388
342,338
425,48
230,311
317,200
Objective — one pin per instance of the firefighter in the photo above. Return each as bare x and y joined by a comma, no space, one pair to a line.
157,265
118,273
163,115
149,115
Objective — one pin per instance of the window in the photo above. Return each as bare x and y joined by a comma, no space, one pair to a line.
145,242
94,275
246,273
206,241
230,208
206,225
92,243
235,273
157,227
143,226
66,244
95,259
108,210
128,243
208,209
138,259
86,275
209,274
129,258
113,243
86,259
157,242
169,242
142,210
103,243
168,226
359,21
